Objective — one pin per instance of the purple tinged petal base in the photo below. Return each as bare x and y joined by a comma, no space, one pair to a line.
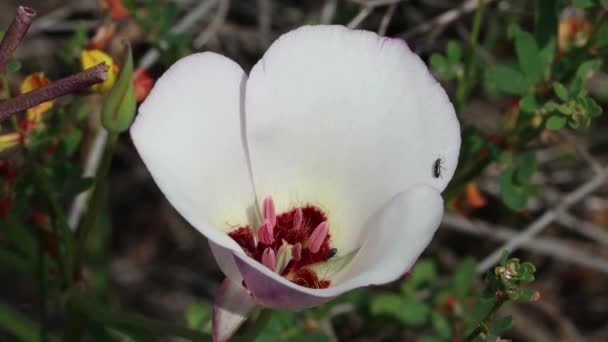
273,294
232,305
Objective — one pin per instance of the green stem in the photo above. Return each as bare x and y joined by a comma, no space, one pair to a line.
257,327
97,313
42,289
59,225
18,325
484,322
464,82
95,201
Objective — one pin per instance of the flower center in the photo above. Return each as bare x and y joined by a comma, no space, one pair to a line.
289,242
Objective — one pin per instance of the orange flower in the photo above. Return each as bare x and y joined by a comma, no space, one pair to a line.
103,34
142,83
90,58
474,197
34,114
574,29
117,10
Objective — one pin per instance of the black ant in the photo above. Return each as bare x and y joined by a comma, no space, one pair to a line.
437,167
331,253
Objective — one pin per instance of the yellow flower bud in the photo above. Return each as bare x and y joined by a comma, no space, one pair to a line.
90,58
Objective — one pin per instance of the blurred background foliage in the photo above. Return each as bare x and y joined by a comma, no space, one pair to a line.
529,82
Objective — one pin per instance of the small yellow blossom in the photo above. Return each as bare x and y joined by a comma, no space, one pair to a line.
90,58
9,140
33,82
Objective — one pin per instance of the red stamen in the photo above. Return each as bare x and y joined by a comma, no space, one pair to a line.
296,251
244,237
298,218
266,233
308,278
318,237
304,228
268,211
269,259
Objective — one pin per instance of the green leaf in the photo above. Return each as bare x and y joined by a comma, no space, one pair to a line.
407,310
527,294
576,87
527,166
279,322
119,106
583,4
441,325
70,142
453,52
414,313
501,325
604,3
424,272
507,80
464,277
439,63
81,185
528,104
197,316
556,122
561,91
513,195
13,65
529,57
481,310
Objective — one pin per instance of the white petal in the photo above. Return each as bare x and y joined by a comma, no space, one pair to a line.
396,236
231,307
346,120
225,261
188,133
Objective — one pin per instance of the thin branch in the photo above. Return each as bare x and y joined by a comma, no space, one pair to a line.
328,11
358,19
583,152
214,26
15,33
264,18
386,19
584,228
551,247
443,19
544,220
70,84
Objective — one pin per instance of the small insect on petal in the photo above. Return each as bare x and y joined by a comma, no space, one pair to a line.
269,212
266,233
269,259
331,253
298,219
437,167
318,236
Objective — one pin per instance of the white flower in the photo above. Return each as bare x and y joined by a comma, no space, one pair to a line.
345,121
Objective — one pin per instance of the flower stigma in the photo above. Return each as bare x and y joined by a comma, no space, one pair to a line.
289,243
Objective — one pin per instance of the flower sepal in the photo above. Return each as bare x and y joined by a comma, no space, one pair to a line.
233,304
